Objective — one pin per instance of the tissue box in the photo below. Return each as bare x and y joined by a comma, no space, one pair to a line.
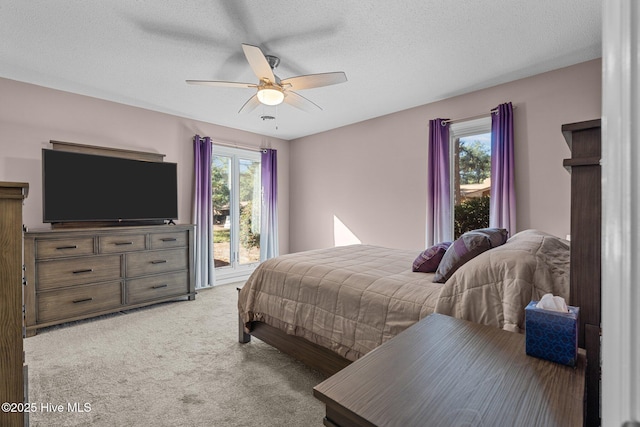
552,335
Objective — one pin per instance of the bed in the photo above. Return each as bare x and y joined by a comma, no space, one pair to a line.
329,307
584,141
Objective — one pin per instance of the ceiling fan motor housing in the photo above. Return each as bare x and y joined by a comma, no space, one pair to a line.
273,61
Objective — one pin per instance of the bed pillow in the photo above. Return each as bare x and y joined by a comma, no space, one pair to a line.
466,247
429,259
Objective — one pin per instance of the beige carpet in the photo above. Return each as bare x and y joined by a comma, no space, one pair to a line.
174,364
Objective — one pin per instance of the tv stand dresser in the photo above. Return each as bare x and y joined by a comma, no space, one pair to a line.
73,274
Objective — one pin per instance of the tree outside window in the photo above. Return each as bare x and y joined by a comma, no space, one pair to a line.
472,182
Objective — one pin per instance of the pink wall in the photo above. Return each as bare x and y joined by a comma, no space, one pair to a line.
371,176
364,182
31,116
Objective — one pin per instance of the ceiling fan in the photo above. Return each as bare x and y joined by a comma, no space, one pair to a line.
271,90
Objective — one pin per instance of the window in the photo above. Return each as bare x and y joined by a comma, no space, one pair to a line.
236,200
471,170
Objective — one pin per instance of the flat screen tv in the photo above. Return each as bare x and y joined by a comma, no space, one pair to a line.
80,187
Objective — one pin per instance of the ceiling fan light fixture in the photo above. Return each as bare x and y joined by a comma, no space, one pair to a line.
270,95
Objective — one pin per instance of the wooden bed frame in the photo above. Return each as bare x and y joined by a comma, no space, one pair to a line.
584,141
311,354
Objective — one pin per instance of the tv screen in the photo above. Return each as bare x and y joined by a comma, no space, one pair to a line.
87,187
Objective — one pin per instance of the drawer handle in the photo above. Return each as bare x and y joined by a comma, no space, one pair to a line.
88,270
168,239
159,261
77,301
123,243
67,247
159,286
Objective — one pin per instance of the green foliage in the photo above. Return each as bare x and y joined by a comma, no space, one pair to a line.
248,238
249,172
471,215
221,236
475,163
220,183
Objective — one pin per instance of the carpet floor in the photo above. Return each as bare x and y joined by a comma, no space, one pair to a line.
172,364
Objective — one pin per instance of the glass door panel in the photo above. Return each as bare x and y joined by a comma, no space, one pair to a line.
250,201
221,186
236,199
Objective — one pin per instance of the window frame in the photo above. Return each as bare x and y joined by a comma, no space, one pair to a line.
235,271
456,131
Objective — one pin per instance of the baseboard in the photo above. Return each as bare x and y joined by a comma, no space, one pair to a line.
232,279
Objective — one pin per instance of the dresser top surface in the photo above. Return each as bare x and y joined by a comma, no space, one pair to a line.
13,190
53,232
453,372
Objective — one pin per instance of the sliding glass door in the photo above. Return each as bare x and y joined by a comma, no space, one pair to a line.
236,198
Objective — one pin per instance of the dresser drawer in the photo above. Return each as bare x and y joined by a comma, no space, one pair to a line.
148,288
58,248
121,243
68,272
171,239
145,263
104,270
68,303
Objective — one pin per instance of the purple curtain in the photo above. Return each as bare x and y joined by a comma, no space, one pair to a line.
503,194
439,222
203,213
269,223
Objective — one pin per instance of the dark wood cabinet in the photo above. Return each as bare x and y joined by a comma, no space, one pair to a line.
584,140
12,369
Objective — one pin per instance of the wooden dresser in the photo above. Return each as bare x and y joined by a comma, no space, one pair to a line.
444,371
81,273
12,369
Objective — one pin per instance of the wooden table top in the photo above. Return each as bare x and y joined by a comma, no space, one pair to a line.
444,371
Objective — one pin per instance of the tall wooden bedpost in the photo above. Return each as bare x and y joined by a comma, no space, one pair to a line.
586,219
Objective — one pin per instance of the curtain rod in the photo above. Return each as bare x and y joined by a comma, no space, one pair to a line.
464,119
216,141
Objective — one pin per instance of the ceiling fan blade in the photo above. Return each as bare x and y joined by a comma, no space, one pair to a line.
258,62
300,102
250,105
220,83
315,80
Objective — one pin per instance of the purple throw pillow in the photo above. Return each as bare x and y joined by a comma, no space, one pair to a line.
467,247
429,259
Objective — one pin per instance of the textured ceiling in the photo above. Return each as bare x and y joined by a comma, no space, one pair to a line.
396,55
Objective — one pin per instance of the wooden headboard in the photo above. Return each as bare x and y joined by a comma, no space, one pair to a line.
584,142
106,151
